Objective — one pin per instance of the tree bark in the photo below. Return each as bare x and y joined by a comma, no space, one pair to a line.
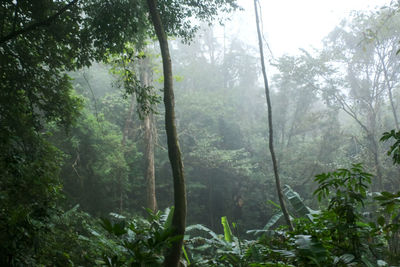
271,134
149,134
172,256
149,157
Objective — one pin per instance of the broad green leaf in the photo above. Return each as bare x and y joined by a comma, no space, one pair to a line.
168,221
227,229
296,202
274,219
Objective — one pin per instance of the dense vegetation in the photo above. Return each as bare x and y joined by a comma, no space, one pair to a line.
85,163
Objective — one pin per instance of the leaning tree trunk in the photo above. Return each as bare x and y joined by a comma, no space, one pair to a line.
271,134
149,139
172,256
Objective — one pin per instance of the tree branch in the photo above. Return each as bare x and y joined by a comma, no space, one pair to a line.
38,24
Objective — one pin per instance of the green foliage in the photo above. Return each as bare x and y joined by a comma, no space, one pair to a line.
223,142
95,173
301,210
389,222
350,186
140,241
339,235
394,150
29,188
210,249
128,66
227,229
36,91
176,15
73,238
343,218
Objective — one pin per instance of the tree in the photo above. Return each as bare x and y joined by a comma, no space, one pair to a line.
270,127
360,71
303,123
33,90
40,42
178,222
221,134
134,73
179,217
95,170
150,133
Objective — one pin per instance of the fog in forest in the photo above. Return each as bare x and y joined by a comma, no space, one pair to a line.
88,148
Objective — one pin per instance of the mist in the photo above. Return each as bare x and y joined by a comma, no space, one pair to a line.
111,160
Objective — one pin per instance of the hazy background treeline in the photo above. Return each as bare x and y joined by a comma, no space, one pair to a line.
330,109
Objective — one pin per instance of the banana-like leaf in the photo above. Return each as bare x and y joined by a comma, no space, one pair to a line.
205,229
297,203
227,230
274,219
169,213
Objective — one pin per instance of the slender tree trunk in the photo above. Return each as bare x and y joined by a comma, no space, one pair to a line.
396,120
149,141
149,157
121,195
375,153
374,146
172,256
128,121
292,127
271,134
389,88
125,134
210,202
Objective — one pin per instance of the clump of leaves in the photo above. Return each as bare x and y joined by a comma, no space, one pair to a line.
389,222
350,234
207,248
394,149
142,242
338,235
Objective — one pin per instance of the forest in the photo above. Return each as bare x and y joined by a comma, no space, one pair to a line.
142,133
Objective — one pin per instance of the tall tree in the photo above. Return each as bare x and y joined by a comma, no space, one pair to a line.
270,127
360,71
149,137
179,217
39,42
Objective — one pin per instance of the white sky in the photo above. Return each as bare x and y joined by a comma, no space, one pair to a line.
293,24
